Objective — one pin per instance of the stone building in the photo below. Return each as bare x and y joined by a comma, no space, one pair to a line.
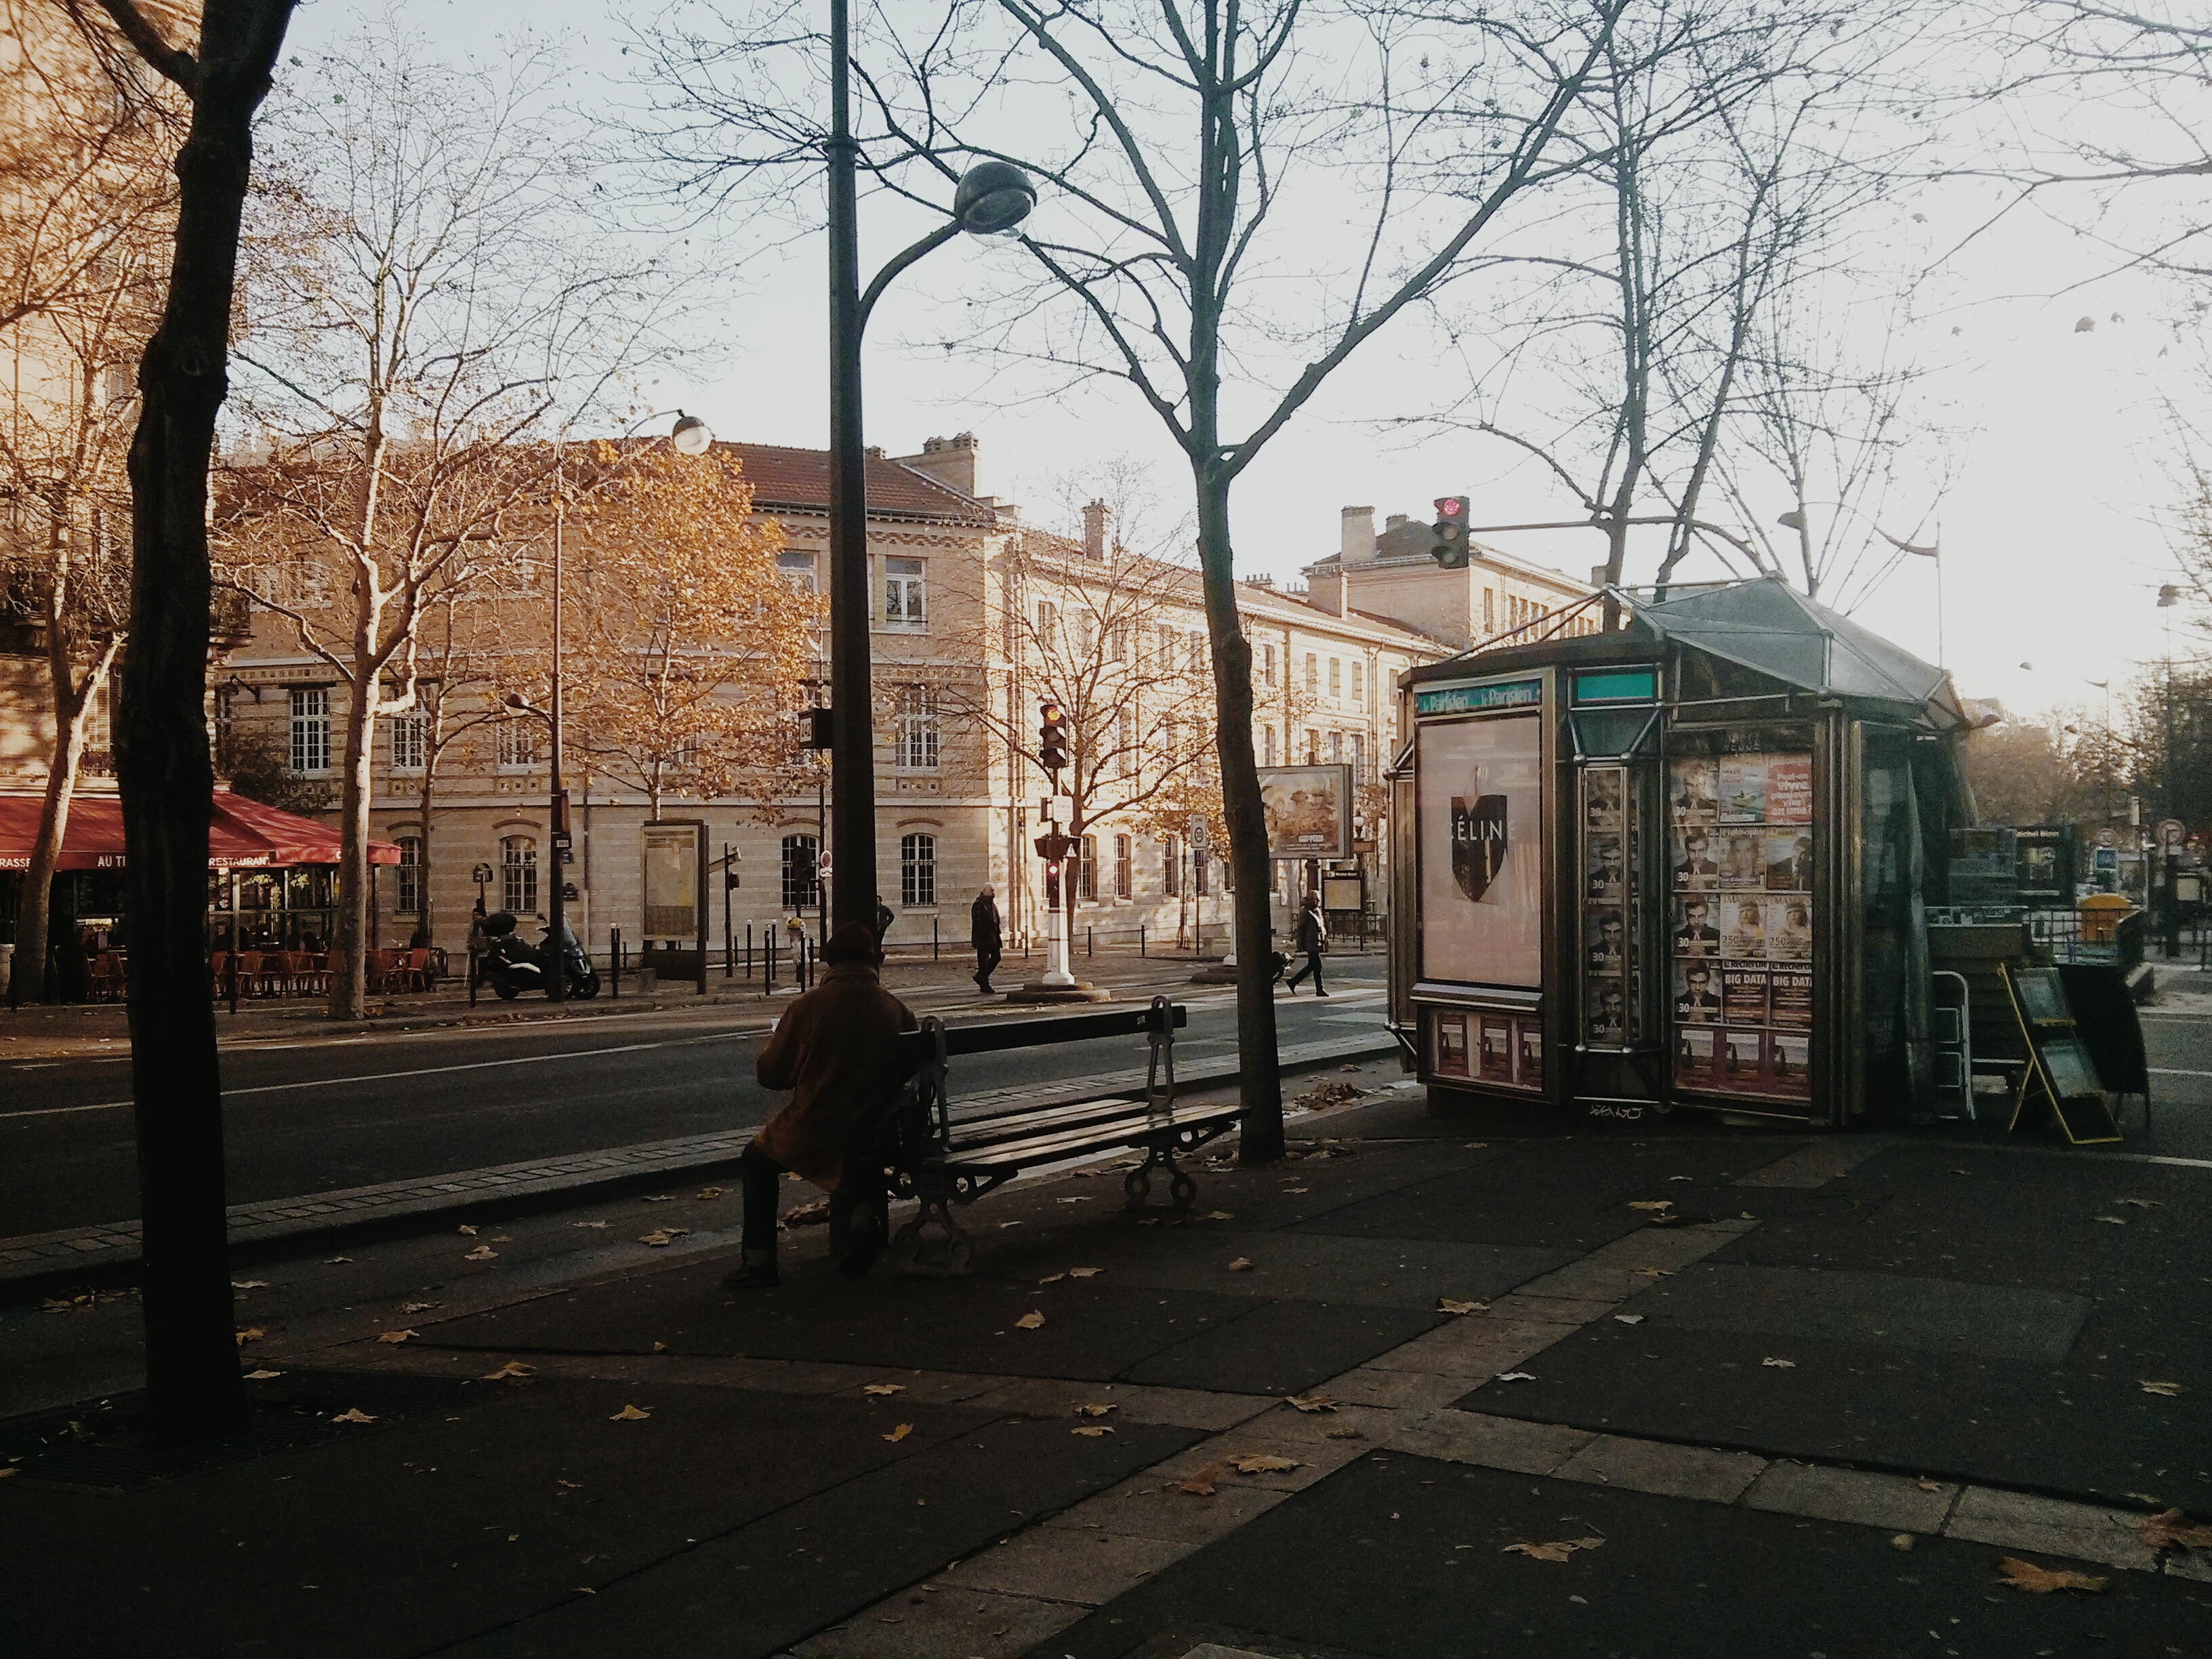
1389,574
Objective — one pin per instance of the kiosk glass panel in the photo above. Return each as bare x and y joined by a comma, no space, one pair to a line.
1482,852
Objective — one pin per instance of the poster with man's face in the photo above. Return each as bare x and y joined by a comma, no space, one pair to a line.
1308,810
1481,811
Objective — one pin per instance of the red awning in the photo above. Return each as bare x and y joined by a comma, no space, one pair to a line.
242,835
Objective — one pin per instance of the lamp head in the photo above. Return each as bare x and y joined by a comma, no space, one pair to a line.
994,197
691,435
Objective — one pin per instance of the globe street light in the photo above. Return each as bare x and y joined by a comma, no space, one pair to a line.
990,200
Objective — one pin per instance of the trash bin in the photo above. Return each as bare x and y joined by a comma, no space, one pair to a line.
2101,916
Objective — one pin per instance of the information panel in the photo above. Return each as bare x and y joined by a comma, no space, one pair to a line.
1612,912
1481,823
1740,863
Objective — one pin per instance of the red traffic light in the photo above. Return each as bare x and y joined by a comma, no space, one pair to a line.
1451,507
1052,736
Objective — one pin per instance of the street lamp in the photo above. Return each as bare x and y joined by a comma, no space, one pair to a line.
990,200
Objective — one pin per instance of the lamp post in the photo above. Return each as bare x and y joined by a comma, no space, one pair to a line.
2169,596
991,197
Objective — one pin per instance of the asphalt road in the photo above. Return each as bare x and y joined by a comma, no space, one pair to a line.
308,1117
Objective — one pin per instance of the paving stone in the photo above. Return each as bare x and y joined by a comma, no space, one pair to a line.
1821,1163
1894,1503
2193,1563
2050,1525
1553,1310
1371,1385
1057,1565
1145,1506
945,1622
1189,1408
1494,1442
1473,1349
1044,1396
1652,1466
1317,1460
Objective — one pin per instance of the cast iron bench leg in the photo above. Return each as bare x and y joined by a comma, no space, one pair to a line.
1138,1183
954,1255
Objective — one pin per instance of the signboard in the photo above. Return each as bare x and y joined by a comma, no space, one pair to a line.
2060,1073
1480,829
676,879
1470,699
2174,835
1309,812
1343,893
1985,866
2042,863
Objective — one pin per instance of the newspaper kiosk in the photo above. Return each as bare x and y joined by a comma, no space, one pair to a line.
1683,863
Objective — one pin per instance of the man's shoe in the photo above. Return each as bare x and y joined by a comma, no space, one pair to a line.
757,1272
869,1236
1321,994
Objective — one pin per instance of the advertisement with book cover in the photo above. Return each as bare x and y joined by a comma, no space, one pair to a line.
1481,839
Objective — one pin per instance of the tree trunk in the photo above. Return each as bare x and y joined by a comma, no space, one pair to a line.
1260,1079
350,950
72,714
193,1389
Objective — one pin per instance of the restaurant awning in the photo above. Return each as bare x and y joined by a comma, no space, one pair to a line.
242,835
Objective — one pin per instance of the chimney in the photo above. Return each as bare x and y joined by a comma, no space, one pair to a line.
949,461
1097,516
1356,544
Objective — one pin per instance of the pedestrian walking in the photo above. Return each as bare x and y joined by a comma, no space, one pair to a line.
983,934
833,1050
1313,940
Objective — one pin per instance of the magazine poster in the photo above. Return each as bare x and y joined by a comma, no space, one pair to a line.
1529,1043
1692,859
1605,949
1602,877
1743,927
1740,1068
1695,932
1789,788
1606,1023
1743,789
1695,1047
1789,859
1308,810
1790,1064
1697,992
1494,1055
1481,839
1741,855
1789,999
1602,798
1790,929
1690,791
1450,1058
1743,993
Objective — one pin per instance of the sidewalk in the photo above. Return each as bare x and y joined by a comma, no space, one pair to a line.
1421,1388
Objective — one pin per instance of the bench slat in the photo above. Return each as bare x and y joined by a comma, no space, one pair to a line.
988,1125
1046,1148
998,1036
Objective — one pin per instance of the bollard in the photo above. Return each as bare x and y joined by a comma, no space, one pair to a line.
1089,940
767,961
1140,938
748,951
932,939
614,963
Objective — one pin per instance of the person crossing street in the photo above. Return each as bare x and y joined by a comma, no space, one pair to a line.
984,935
1313,940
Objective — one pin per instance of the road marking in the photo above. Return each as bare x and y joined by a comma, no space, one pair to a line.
2169,1071
389,1077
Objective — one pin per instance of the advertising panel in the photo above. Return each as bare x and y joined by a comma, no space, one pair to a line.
1309,810
1482,836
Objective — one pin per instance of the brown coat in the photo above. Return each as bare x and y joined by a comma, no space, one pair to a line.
832,1049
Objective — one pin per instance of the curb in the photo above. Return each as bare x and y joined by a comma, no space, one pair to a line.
106,1255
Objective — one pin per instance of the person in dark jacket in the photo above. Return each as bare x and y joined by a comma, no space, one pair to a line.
983,934
1313,940
884,917
832,1049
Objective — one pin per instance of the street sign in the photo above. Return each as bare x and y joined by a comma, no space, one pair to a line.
2173,834
1201,838
2106,838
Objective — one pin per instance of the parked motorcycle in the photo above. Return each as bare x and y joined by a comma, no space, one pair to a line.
511,966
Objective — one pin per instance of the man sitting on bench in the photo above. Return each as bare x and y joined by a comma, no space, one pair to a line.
834,1049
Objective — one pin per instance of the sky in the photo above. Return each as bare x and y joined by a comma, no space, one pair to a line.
2049,525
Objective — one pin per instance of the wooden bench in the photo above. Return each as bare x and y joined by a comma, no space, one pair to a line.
945,1161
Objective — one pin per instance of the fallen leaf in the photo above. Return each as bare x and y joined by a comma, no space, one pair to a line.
396,1337
661,1238
807,1215
1926,1485
469,1232
1084,1272
1649,1203
1629,1318
419,1307
1748,1216
2141,1203
353,1414
336,1260
659,1198
1297,1190
708,1195
1682,1178
661,1347
1347,1434
1445,1304
1030,1320
1903,1542
1656,1272
1264,1463
2173,1528
253,1336
2116,1221
1516,1376
2041,1581
1780,1364
512,1368
1554,1552
2169,1389
629,1414
601,1225
1216,1215
1003,1226
1312,1402
1052,1278
262,1376
1199,1482
884,1387
1095,1411
1242,1265
900,1432
481,1253
1092,1433
1072,1200
249,1284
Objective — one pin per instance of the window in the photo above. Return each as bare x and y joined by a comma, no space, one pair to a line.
1336,749
798,570
903,593
311,731
409,738
917,728
1086,629
518,745
917,870
1117,642
1194,646
1360,758
411,872
1125,757
1124,887
1336,678
1088,870
1267,745
518,875
801,890
1170,865
1489,611
1313,675
1266,665
297,584
1048,622
1359,683
1313,748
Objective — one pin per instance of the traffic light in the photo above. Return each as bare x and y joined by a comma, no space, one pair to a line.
1052,885
1451,549
1052,736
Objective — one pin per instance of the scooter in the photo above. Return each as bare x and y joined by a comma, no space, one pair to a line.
511,967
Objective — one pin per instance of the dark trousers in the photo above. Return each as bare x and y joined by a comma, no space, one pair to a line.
1313,966
758,1173
862,1183
987,962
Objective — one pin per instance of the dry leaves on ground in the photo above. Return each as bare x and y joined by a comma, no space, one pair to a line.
2141,1203
1264,1463
1085,1409
1628,1319
1092,1432
469,1232
1312,1402
396,1337
253,1336
249,1284
2169,1389
600,1225
262,1376
481,1253
1445,1304
338,1260
514,1368
1052,1278
1516,1376
629,1414
1926,1485
1198,1483
900,1432
419,1307
708,1195
1084,1272
2173,1528
2041,1581
1345,1434
1559,1551
807,1215
661,1238
1030,1320
1780,1364
1655,1272
1242,1265
1651,1204
353,1414
1216,1215
884,1387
